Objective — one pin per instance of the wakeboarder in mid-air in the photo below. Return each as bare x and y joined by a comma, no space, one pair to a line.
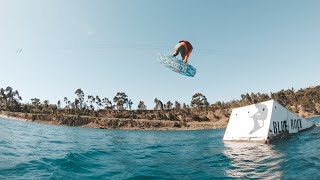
184,48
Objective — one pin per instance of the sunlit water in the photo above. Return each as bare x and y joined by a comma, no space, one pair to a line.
39,151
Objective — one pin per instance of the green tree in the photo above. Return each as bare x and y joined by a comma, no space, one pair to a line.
80,100
177,105
129,104
281,97
248,99
10,99
98,102
36,104
254,98
159,105
169,105
91,100
68,104
59,104
199,101
46,108
142,106
46,103
264,97
120,99
107,103
184,106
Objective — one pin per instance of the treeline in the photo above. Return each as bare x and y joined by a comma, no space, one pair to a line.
307,99
10,100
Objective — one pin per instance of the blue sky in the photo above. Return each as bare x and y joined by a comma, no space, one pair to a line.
109,46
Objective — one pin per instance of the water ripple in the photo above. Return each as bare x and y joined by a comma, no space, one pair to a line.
38,151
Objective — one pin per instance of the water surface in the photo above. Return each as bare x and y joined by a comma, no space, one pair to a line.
40,151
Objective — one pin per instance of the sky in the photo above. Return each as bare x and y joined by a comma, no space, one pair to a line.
110,46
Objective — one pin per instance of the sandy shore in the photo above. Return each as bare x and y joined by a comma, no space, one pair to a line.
5,116
13,118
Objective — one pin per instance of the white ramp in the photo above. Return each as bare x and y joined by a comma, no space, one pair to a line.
263,122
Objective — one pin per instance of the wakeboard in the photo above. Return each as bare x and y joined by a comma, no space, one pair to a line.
177,65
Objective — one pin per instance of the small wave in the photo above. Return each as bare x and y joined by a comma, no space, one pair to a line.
317,124
80,153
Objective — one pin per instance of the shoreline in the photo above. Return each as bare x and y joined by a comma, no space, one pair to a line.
13,118
313,116
144,125
199,115
117,123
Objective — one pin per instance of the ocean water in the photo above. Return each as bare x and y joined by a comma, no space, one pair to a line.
39,151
